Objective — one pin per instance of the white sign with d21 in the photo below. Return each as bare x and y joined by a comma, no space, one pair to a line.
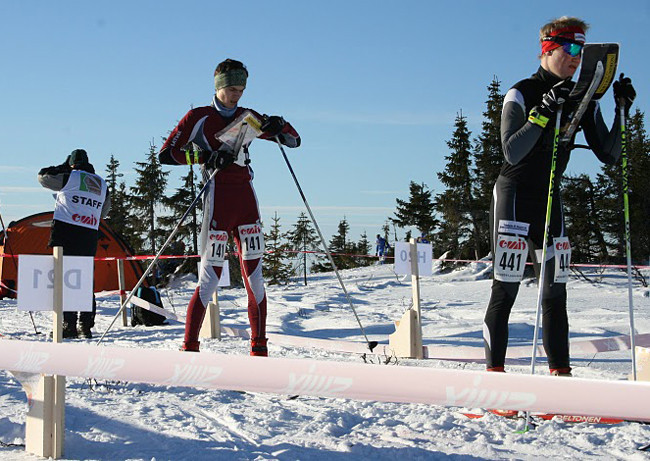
36,283
403,258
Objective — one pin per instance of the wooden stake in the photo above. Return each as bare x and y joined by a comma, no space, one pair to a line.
45,422
121,285
407,340
211,326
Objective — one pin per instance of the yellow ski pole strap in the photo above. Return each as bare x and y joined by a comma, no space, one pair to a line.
538,119
191,157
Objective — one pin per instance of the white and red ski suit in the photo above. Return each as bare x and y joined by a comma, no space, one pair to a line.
228,204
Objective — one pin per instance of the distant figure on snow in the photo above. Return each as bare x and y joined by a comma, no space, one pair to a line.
381,249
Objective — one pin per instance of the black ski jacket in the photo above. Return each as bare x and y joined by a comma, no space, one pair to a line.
528,148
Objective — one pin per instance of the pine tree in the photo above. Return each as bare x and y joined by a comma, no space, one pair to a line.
362,248
339,246
638,149
488,159
303,238
417,211
112,174
610,195
276,268
458,229
147,194
177,204
582,219
186,239
120,218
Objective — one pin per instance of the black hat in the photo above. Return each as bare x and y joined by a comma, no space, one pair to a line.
78,157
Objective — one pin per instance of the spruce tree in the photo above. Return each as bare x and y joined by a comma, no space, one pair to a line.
458,228
120,218
638,149
276,268
488,159
417,211
147,194
610,195
177,205
303,238
363,249
186,239
339,247
582,218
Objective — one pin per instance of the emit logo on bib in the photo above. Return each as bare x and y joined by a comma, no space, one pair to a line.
562,250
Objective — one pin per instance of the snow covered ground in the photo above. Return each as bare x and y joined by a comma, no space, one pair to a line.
118,420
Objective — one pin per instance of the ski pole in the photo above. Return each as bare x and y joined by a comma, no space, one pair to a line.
13,258
371,344
238,144
628,246
547,225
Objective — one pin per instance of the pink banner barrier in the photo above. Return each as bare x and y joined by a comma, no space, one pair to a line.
471,389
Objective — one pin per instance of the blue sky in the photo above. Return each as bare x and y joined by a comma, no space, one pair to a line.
373,87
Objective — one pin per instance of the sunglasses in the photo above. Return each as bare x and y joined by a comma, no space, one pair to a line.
570,47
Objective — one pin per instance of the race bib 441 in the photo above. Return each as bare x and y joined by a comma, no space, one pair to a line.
510,258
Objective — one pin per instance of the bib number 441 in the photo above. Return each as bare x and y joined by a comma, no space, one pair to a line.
562,252
510,258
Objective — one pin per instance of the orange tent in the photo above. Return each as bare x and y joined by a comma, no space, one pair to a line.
30,236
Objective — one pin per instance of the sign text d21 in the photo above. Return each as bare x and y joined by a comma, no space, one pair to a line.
36,283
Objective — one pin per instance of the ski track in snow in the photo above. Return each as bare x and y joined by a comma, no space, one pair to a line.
114,420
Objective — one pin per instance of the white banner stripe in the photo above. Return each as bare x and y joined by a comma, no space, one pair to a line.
405,384
153,308
450,352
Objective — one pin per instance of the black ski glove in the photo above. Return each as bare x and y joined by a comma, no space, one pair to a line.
624,92
551,101
272,125
221,158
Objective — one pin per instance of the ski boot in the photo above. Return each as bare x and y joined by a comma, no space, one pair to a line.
190,346
565,371
258,347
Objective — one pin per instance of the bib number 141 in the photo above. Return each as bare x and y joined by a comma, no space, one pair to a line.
252,241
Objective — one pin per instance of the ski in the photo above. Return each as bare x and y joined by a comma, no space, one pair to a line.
549,416
599,62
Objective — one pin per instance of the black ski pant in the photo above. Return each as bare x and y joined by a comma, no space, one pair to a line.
510,202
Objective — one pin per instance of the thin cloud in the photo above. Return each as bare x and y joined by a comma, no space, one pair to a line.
13,168
351,210
381,192
405,119
20,189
